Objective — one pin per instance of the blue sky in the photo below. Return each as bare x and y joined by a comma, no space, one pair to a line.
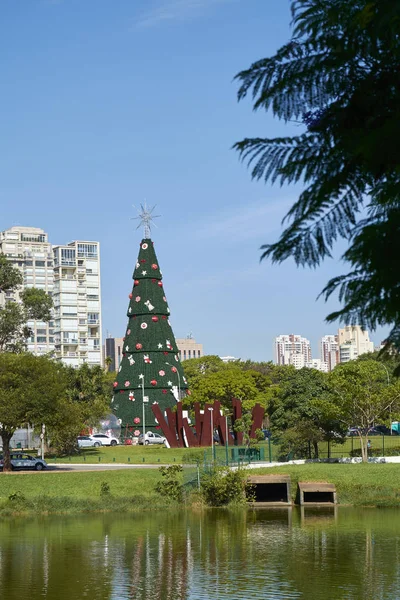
109,103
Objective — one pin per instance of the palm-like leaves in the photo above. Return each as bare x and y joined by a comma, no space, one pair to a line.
339,74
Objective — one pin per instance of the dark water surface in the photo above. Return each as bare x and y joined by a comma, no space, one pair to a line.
266,554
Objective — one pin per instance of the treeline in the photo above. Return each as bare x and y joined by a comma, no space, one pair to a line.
304,407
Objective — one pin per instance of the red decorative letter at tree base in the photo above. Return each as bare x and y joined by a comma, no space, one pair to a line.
180,434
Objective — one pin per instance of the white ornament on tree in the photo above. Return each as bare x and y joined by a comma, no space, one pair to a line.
149,305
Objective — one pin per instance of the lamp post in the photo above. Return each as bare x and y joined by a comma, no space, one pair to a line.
179,380
390,408
212,432
143,416
145,400
226,439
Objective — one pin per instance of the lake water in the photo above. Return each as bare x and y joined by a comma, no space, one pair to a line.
264,554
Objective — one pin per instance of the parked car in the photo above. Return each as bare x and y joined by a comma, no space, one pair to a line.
86,441
382,430
21,461
104,439
151,438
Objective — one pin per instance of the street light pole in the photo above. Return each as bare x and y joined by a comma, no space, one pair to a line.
212,433
143,418
390,408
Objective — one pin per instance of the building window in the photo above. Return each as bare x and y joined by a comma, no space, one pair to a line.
40,263
87,250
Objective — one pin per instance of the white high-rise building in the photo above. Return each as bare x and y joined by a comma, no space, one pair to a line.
77,303
353,342
292,350
71,275
329,350
29,249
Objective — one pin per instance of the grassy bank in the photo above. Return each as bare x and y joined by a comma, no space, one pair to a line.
357,484
133,490
69,492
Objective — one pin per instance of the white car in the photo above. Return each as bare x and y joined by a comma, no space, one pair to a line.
105,440
151,438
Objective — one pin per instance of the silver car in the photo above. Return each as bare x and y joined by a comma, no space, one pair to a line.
151,438
86,441
20,461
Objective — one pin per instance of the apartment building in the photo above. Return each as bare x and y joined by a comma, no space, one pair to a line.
71,275
329,351
292,350
189,348
353,342
29,249
77,303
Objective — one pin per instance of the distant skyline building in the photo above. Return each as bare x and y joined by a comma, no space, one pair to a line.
189,348
292,350
228,359
71,276
329,351
318,364
113,349
353,342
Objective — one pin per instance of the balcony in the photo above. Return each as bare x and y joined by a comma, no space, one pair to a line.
93,321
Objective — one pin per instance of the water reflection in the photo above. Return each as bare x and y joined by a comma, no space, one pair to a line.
276,554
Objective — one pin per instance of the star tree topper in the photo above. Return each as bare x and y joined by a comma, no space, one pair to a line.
146,218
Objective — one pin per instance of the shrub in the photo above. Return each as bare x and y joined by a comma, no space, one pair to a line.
105,489
224,486
171,486
17,497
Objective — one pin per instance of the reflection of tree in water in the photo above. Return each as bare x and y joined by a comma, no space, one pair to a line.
215,554
41,560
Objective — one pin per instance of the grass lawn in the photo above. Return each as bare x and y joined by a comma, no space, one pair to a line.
162,455
368,484
132,454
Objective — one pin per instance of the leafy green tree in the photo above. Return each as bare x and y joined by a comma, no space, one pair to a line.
230,382
87,400
338,78
35,304
363,396
31,389
302,412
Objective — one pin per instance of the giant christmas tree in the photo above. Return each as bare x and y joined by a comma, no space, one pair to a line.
150,370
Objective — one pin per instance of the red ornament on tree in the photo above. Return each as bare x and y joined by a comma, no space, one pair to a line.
155,319
165,391
166,353
154,267
138,346
136,420
164,318
130,296
136,282
160,283
174,369
153,382
127,383
143,260
115,384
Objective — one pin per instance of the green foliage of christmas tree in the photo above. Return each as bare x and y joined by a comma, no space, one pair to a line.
150,366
